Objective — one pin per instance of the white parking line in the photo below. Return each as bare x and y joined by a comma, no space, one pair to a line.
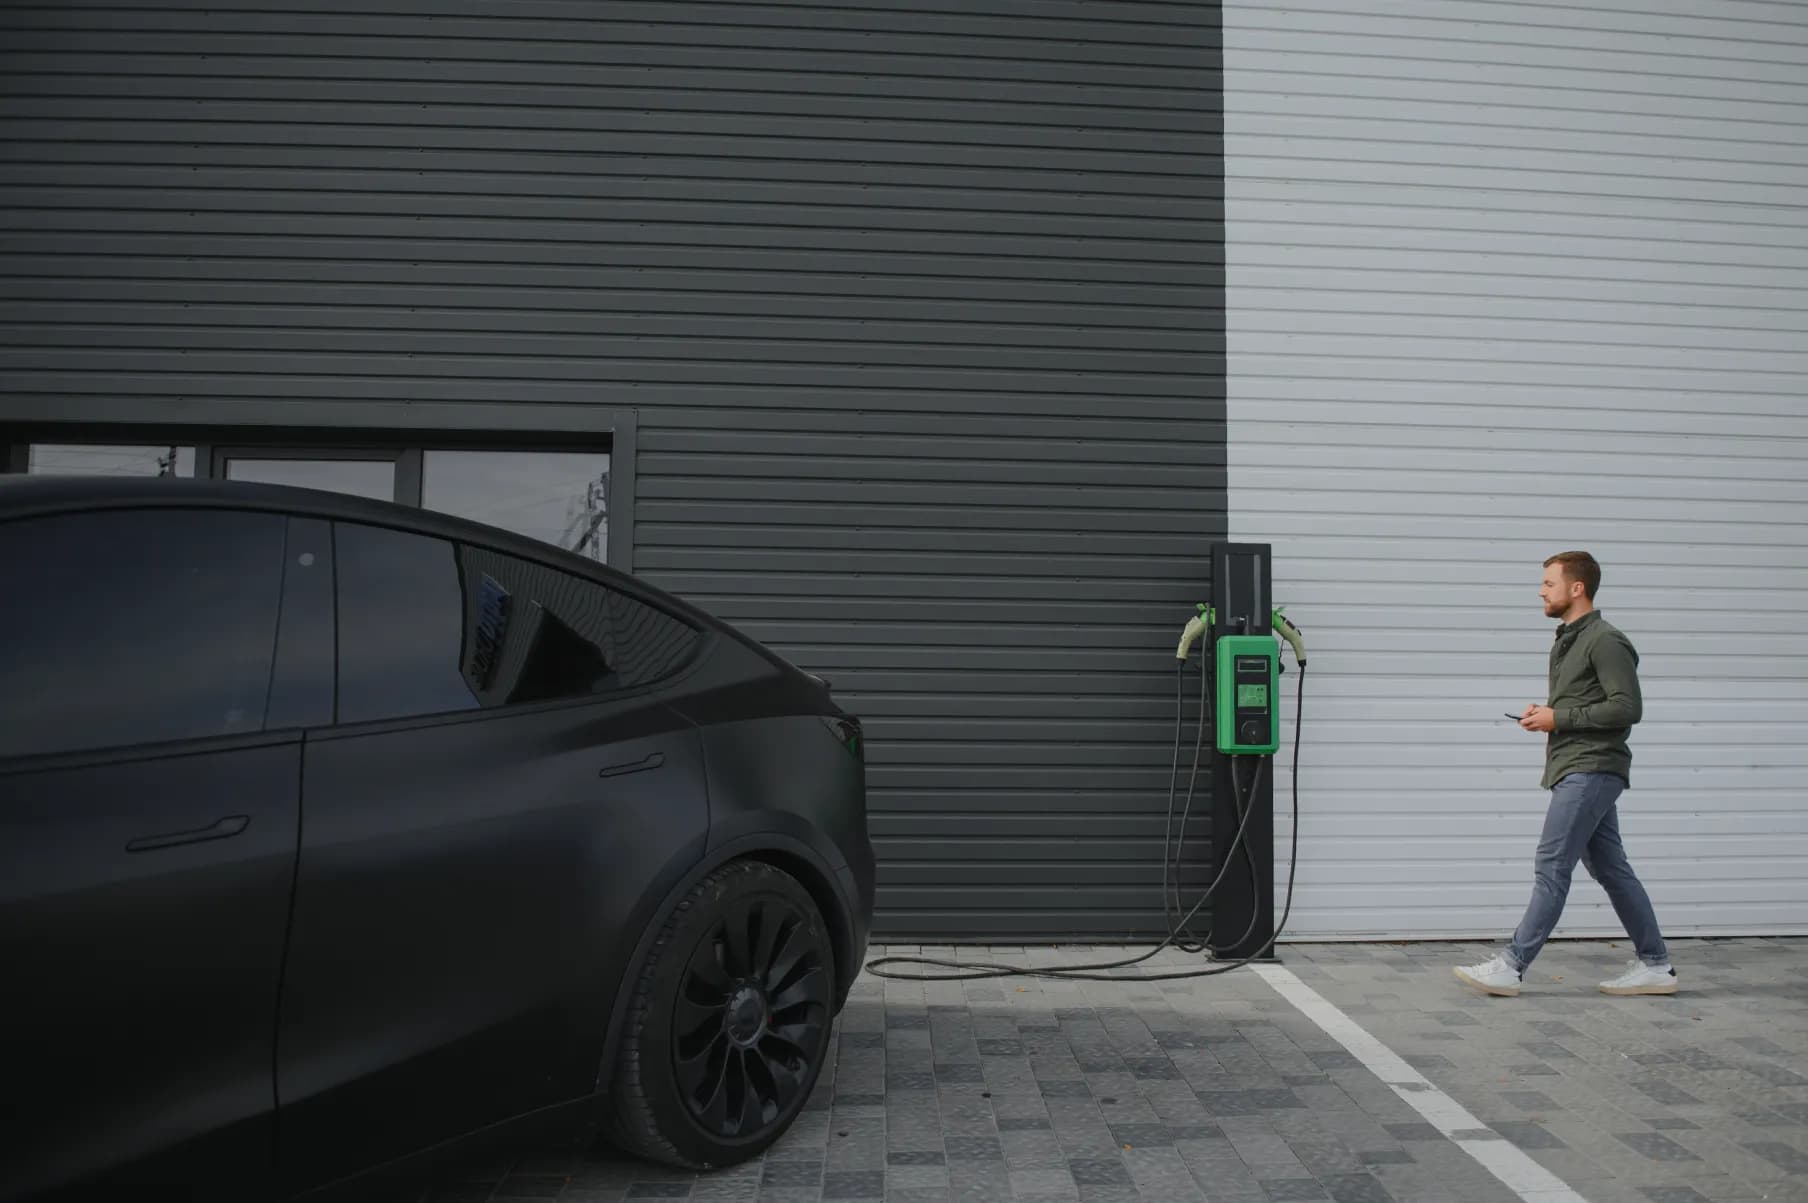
1523,1176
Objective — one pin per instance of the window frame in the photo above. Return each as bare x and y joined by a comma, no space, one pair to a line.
407,461
401,430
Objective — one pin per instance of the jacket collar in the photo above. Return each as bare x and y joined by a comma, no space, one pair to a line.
1569,628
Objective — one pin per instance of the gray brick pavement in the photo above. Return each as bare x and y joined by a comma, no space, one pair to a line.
1218,1089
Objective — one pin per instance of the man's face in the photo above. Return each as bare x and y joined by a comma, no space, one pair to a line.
1557,591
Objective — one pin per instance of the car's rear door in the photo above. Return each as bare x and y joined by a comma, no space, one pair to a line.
149,797
499,790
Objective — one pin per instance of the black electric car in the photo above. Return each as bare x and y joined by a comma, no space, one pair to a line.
334,831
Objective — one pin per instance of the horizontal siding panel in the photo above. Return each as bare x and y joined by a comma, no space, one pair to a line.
360,280
1759,328
910,540
672,93
1674,45
1052,18
626,127
914,442
1661,411
1002,494
1157,12
1115,859
1620,61
1396,202
1123,901
530,331
607,232
880,467
1269,287
631,260
657,215
1539,125
1457,59
945,589
1047,528
1560,101
655,145
674,170
1757,159
1677,496
739,87
955,925
1083,809
1456,323
1732,21
1703,544
943,42
1506,281
1370,750
1513,235
1441,167
678,366
992,815
1438,429
35,397
1341,248
919,309
776,53
1695,477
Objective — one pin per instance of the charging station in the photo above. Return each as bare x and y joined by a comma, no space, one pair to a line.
1241,660
1246,659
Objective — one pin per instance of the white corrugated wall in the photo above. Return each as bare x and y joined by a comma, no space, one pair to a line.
1504,280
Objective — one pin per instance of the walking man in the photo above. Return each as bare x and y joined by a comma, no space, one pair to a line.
1594,702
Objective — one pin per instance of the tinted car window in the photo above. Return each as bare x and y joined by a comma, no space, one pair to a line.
401,625
649,644
133,627
427,626
542,634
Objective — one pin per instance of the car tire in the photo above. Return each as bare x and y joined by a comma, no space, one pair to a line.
729,1022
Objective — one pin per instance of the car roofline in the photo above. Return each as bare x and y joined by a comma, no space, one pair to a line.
31,496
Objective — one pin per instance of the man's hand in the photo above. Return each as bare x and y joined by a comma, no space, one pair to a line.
1539,718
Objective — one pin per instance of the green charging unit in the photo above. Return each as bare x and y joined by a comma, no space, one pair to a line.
1249,685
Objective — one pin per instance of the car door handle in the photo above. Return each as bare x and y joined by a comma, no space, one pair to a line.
643,765
229,826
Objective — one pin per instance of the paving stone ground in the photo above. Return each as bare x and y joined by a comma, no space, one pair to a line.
1218,1089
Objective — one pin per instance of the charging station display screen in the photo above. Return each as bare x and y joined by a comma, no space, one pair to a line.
1252,697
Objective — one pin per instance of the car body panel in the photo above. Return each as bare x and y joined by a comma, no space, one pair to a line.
457,918
142,1003
780,763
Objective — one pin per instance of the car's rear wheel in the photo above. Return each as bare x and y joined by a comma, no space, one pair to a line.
729,1022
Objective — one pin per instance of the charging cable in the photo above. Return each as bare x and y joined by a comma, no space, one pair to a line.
967,971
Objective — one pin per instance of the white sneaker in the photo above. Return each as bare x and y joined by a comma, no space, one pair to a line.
1493,976
1641,978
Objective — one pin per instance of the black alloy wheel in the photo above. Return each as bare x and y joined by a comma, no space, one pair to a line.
751,1011
729,1026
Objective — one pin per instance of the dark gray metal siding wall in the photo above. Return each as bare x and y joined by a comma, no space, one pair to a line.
920,308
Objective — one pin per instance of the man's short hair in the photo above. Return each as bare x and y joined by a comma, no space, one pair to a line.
1579,566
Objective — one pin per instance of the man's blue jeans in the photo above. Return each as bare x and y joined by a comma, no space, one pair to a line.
1584,824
